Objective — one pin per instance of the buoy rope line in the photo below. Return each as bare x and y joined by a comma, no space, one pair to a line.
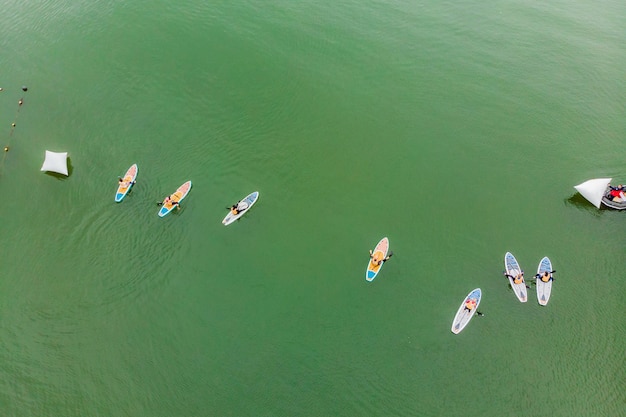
13,124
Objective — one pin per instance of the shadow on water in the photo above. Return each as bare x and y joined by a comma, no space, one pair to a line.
70,170
582,204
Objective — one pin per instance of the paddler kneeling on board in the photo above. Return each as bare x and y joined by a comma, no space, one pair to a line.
170,201
238,208
377,258
470,304
519,278
545,277
125,183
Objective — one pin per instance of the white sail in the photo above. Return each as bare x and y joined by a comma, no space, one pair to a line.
593,190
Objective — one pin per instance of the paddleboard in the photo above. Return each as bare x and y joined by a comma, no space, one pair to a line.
247,202
380,252
178,195
544,288
128,178
512,270
463,315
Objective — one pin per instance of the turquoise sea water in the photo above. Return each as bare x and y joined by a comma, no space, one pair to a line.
455,129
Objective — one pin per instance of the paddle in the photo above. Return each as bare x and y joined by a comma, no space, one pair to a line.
478,313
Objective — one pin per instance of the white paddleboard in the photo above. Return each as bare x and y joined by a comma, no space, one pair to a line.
512,270
463,315
544,288
245,205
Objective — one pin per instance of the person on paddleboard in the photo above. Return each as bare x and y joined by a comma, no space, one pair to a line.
124,183
170,201
377,258
470,304
518,279
545,277
238,208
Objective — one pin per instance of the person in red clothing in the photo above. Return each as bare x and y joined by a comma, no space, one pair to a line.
617,193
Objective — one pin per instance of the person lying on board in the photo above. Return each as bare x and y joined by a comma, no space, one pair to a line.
377,258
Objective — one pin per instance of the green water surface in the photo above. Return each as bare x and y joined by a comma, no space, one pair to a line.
456,129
